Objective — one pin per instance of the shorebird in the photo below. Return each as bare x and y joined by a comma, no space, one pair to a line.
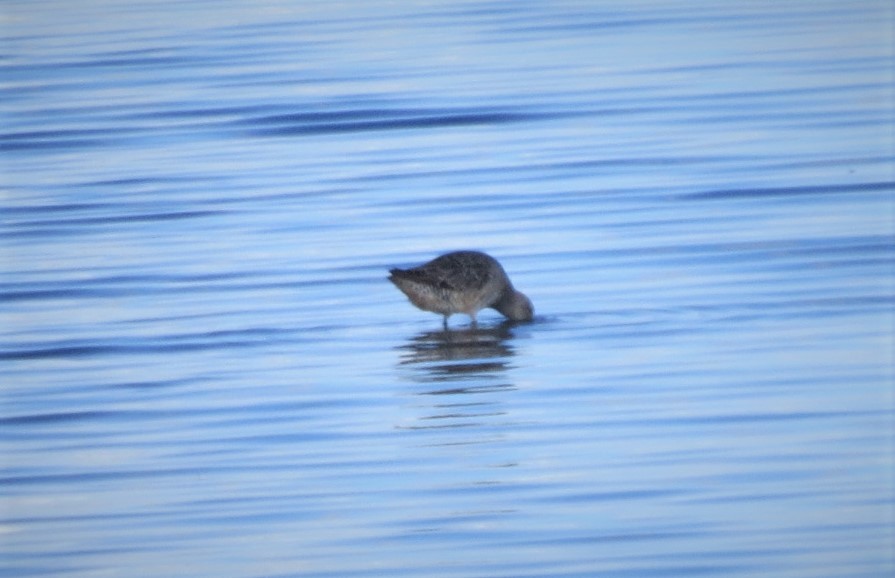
462,282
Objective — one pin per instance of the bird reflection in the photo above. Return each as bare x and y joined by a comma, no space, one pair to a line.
456,387
465,372
459,354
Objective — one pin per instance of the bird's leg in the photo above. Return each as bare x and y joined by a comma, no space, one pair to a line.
444,322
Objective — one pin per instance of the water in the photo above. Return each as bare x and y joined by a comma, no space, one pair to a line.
206,373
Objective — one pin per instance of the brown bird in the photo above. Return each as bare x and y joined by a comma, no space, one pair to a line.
462,282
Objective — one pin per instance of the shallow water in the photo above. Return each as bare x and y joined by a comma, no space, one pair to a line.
205,371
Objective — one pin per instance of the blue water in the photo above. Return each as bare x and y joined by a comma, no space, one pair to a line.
206,373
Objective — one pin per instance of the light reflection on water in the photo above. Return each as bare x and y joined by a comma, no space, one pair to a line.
205,370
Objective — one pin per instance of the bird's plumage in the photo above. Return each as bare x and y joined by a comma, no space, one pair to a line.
462,282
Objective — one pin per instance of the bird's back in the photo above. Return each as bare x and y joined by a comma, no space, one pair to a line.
458,282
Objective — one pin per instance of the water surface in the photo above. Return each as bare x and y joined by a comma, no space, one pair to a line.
205,371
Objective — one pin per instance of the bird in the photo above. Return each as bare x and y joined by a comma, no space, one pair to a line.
462,282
